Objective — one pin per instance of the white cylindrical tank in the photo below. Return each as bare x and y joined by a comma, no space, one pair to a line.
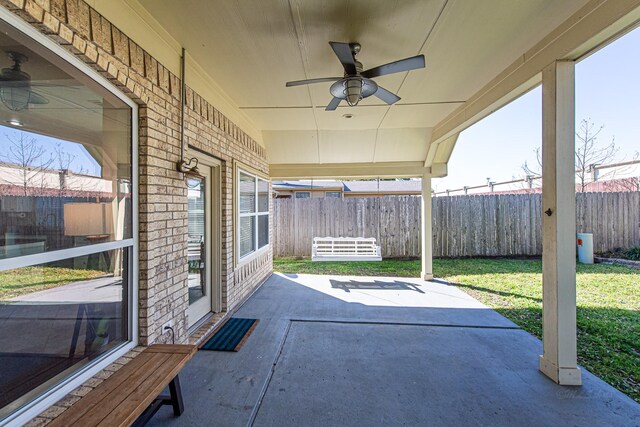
585,248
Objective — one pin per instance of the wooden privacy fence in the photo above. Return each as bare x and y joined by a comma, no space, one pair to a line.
393,221
479,225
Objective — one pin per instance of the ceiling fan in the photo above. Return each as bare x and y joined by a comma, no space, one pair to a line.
15,85
356,84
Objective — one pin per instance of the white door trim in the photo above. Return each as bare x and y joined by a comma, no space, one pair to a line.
212,166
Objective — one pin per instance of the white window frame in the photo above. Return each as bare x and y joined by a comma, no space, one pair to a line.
255,215
302,192
55,393
326,194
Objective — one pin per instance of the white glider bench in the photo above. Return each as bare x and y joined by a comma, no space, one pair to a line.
345,249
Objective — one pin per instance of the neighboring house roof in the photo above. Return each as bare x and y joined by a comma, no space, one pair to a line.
307,185
614,185
51,183
402,186
368,187
19,191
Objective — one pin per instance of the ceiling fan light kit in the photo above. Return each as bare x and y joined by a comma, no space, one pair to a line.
15,98
357,84
353,89
15,85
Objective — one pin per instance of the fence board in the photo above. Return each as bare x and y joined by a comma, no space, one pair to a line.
476,225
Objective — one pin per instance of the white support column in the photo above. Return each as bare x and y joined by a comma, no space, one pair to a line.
559,361
427,235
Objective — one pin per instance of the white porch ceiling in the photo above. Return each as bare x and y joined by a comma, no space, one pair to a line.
94,111
251,48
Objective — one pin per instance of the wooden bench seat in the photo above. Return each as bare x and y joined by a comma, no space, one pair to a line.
132,394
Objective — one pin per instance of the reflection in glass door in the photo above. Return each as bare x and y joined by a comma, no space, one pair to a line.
199,245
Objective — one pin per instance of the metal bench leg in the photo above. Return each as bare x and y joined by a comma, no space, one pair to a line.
176,396
174,399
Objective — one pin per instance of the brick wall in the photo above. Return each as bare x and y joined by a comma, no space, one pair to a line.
163,193
162,286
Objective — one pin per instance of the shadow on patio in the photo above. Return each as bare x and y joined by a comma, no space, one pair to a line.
348,285
379,353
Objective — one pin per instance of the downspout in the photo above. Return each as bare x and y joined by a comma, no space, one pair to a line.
183,165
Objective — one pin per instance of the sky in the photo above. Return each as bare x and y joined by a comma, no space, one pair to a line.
607,93
81,160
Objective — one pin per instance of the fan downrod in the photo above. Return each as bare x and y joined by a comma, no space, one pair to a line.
355,49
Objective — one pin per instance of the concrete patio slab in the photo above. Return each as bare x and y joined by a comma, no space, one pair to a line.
383,352
369,299
101,289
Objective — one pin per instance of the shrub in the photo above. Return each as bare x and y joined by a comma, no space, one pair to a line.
633,253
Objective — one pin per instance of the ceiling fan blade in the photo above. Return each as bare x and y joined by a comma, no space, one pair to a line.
406,64
386,96
343,52
310,81
34,98
333,104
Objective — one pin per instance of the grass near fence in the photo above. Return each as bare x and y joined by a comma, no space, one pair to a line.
608,298
387,267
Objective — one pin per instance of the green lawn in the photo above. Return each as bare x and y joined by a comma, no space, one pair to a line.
608,313
22,281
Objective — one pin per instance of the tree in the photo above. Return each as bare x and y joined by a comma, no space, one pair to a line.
29,156
624,184
536,169
64,160
590,152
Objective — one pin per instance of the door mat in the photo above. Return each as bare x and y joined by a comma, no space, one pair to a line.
231,336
